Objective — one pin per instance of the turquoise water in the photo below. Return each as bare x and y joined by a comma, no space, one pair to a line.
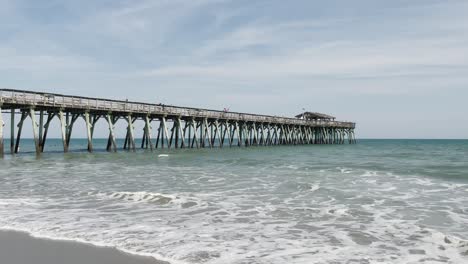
380,201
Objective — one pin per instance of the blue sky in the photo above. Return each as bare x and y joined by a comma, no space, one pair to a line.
397,68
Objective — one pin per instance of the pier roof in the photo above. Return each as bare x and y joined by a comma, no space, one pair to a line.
315,116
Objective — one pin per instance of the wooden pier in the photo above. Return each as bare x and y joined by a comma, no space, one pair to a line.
177,127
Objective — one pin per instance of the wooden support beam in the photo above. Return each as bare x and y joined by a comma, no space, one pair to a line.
300,135
239,138
148,131
230,132
309,135
212,134
37,143
278,135
50,116
275,138
41,127
176,133
126,140
217,133
194,133
70,127
159,134
233,131
202,132
248,134
221,135
254,132
261,135
181,133
271,134
12,131
189,137
143,139
245,134
284,134
289,134
67,119
130,129
24,114
303,135
319,135
294,135
165,132
88,131
208,133
297,135
96,117
281,135
2,124
223,130
268,136
162,132
173,131
63,130
303,130
195,139
111,122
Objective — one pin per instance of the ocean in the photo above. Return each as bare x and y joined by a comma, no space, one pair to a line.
380,201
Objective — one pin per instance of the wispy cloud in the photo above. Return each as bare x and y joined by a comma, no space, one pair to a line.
260,50
340,59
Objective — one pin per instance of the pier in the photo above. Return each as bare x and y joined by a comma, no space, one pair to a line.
175,127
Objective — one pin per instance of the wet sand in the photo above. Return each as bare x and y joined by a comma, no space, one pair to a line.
21,248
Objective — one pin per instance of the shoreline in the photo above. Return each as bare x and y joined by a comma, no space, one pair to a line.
18,247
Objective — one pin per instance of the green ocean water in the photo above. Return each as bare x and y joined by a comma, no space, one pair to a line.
380,201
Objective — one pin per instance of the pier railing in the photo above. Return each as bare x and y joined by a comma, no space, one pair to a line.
59,101
179,127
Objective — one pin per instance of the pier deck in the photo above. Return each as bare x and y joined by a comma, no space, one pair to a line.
179,127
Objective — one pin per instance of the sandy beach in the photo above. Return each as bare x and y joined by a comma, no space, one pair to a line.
21,248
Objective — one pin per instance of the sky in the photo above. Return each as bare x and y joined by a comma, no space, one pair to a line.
399,69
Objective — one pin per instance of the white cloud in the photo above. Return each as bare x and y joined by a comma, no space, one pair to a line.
336,59
11,59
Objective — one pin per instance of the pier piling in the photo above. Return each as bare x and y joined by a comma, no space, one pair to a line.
2,124
12,130
88,131
35,128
